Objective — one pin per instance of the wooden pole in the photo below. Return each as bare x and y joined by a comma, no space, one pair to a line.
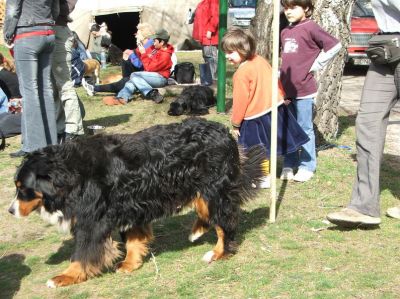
274,112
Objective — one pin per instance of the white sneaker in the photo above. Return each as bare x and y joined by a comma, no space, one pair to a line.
394,212
303,175
88,87
265,182
287,174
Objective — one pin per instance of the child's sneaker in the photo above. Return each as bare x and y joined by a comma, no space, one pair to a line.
88,87
265,182
303,175
287,174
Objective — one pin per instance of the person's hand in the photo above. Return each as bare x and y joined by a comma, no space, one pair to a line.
208,34
126,54
141,49
235,132
287,101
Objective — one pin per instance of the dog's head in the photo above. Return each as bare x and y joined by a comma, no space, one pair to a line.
177,107
34,184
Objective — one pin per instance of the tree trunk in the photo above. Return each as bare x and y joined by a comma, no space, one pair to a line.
333,16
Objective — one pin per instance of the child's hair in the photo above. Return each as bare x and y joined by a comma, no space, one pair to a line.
303,3
241,41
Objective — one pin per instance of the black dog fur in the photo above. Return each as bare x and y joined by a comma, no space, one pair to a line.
124,182
194,100
114,54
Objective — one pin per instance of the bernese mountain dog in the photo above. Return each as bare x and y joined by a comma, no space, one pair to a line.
193,100
95,185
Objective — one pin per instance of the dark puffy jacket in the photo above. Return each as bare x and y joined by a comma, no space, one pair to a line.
20,13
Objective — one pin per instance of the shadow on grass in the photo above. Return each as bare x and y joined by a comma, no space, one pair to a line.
12,272
64,253
346,121
359,227
171,234
109,121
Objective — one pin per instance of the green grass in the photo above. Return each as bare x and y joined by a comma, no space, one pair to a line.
299,256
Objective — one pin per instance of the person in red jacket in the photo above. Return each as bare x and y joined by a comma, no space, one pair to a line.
205,31
157,67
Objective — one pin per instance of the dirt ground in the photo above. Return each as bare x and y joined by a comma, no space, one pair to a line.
353,81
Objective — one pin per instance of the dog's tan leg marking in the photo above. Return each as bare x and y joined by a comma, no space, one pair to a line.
219,249
26,207
137,240
200,226
97,74
74,274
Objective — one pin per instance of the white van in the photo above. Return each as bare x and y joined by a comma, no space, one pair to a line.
240,12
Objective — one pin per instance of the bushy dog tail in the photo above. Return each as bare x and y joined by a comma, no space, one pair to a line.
253,164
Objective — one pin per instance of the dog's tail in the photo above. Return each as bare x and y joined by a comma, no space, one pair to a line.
253,166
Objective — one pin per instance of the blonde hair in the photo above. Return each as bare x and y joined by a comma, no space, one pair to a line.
241,41
144,30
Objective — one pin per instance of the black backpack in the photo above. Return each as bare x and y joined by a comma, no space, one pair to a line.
184,72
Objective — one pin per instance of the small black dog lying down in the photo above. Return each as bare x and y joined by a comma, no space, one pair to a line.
193,100
103,183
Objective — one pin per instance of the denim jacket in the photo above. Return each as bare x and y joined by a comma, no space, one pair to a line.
20,13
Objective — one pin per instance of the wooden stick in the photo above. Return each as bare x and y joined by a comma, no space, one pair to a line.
274,112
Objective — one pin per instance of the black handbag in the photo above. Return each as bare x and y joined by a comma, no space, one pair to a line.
384,49
184,72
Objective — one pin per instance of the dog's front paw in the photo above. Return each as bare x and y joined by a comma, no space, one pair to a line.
125,267
62,280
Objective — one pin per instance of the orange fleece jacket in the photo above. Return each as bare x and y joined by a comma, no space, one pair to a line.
252,90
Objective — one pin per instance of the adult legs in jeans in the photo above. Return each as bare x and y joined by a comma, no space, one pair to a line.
378,97
33,57
306,158
114,87
69,114
210,56
144,82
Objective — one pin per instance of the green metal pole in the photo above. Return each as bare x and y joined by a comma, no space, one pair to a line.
221,87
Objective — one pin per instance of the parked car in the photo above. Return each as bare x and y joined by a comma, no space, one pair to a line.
240,12
363,25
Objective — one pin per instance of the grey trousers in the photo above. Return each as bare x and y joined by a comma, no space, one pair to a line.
33,57
69,114
210,56
379,95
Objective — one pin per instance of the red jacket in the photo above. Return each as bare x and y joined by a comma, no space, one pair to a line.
206,18
158,61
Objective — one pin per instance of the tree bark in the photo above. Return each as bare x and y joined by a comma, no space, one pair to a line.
333,16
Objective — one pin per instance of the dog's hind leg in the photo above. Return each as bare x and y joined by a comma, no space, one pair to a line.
137,240
201,225
225,217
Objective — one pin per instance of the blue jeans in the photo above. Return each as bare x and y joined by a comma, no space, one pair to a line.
3,102
306,158
33,57
143,82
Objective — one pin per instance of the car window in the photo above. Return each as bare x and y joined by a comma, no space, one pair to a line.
242,3
363,9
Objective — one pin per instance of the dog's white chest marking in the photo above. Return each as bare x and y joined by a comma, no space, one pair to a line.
56,218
